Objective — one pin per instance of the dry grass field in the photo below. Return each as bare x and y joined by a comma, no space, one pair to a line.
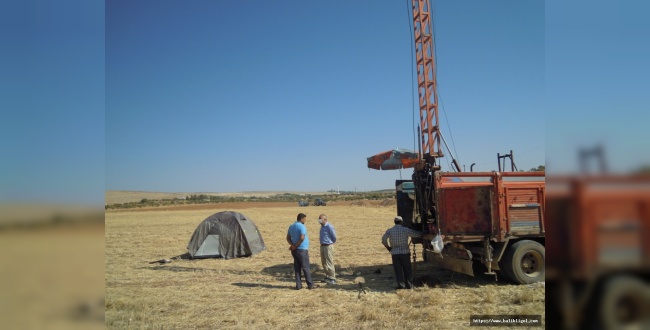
257,292
51,277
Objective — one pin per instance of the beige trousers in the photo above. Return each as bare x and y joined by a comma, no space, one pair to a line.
327,260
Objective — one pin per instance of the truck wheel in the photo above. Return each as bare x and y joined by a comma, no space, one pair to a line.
625,303
524,262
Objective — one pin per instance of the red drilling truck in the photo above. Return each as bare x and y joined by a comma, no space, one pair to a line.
492,218
599,251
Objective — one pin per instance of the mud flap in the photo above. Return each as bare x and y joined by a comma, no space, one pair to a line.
450,262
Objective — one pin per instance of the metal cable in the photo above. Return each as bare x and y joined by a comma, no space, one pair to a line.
411,32
435,49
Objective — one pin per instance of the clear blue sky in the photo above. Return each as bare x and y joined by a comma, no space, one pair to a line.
52,101
294,95
597,85
259,95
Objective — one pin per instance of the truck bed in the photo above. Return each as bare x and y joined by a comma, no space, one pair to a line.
472,206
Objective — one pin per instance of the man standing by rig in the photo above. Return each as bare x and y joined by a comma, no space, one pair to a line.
327,240
299,246
398,236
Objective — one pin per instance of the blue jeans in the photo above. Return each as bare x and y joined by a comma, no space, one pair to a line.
301,262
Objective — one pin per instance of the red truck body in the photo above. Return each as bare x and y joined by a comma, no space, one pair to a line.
599,251
480,216
472,206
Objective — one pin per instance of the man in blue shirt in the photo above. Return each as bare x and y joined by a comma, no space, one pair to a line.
327,240
400,253
299,246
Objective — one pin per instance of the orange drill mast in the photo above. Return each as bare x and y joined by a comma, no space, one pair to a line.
426,72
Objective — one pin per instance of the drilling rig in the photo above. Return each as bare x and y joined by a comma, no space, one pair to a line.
599,269
492,218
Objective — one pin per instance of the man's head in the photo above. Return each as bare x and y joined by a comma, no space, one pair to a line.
301,217
398,220
322,219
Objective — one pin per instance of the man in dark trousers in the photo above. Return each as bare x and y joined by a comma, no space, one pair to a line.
398,236
299,246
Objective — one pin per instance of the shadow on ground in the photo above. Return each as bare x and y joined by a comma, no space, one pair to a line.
426,274
184,256
182,269
376,278
382,278
263,285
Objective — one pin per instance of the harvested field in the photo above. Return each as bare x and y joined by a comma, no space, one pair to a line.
51,276
257,292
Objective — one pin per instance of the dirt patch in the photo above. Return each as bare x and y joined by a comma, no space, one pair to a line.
366,202
359,203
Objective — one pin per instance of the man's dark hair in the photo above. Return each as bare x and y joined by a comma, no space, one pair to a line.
301,216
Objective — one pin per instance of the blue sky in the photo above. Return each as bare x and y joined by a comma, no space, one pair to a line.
260,95
597,84
294,95
52,101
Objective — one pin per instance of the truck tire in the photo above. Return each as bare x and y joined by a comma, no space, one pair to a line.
524,262
625,303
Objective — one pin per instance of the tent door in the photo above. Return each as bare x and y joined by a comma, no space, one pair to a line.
211,247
